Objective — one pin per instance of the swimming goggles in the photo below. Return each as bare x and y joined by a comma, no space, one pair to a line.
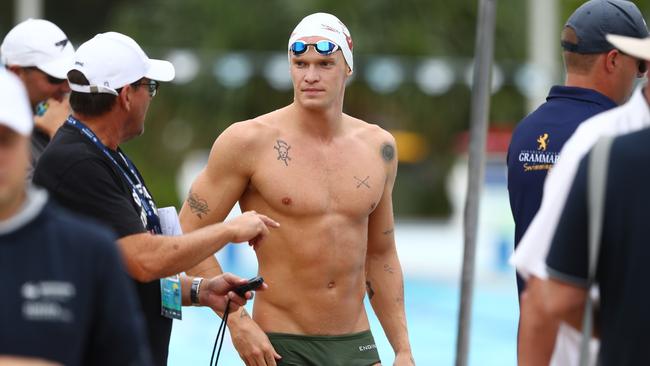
323,47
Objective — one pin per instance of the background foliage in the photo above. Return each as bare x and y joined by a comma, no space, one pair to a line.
408,29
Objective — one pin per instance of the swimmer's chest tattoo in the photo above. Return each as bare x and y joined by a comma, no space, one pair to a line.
362,182
283,148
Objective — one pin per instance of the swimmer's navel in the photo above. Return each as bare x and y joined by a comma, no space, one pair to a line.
332,284
286,201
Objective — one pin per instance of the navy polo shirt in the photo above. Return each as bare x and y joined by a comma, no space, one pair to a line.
66,296
536,144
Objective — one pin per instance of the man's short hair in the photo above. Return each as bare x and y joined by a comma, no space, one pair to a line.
577,63
89,104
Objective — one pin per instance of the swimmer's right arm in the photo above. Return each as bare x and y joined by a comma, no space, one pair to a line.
213,194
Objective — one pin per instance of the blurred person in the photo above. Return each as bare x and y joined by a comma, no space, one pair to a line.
622,267
113,82
598,77
530,257
40,54
328,177
62,276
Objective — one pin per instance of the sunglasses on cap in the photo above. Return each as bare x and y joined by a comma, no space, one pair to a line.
152,86
323,47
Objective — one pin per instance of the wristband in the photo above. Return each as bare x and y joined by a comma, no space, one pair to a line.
194,290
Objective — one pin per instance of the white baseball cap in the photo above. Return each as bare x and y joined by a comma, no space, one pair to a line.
15,111
112,60
327,26
39,43
637,47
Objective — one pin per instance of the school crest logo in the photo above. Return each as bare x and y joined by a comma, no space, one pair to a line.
539,159
543,142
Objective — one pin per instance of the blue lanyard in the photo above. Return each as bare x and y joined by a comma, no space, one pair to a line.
137,188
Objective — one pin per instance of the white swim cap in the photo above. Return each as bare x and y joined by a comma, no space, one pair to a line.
327,26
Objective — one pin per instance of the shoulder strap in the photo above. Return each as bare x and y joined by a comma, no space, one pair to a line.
596,184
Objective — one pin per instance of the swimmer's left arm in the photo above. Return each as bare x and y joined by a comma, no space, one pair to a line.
384,280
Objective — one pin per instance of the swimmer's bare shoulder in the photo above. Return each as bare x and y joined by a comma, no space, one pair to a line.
241,141
376,138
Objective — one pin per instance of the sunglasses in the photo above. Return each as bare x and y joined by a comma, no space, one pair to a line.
323,47
152,86
640,63
50,79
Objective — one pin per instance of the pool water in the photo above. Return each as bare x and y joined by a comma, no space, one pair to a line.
432,316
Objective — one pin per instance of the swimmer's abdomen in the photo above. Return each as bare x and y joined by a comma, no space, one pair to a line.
315,268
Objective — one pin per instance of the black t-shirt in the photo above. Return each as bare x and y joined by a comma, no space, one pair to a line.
80,177
65,294
39,141
623,264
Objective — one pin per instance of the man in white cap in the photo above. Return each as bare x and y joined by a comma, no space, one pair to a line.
40,54
329,177
113,82
561,286
63,279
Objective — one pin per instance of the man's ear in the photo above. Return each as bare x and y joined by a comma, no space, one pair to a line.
125,97
611,58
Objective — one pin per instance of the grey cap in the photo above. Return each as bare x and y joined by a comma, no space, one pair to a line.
593,20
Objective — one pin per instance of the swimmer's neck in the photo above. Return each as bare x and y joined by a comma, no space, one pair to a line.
321,123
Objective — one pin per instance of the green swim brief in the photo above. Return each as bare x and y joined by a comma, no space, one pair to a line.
357,349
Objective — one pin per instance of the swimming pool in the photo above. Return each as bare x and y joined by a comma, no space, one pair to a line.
432,312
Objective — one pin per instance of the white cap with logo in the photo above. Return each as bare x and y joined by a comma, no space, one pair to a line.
112,60
327,26
39,43
15,111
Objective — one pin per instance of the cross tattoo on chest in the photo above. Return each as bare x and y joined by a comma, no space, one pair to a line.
363,182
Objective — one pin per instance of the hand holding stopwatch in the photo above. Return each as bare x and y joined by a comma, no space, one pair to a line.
252,285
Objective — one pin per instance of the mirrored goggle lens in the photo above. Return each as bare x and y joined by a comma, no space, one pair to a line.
299,47
325,47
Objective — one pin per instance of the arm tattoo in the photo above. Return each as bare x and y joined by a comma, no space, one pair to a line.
283,151
388,268
387,152
370,291
244,314
198,205
388,232
362,182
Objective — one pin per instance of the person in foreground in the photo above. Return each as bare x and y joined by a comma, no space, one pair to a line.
62,275
328,177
